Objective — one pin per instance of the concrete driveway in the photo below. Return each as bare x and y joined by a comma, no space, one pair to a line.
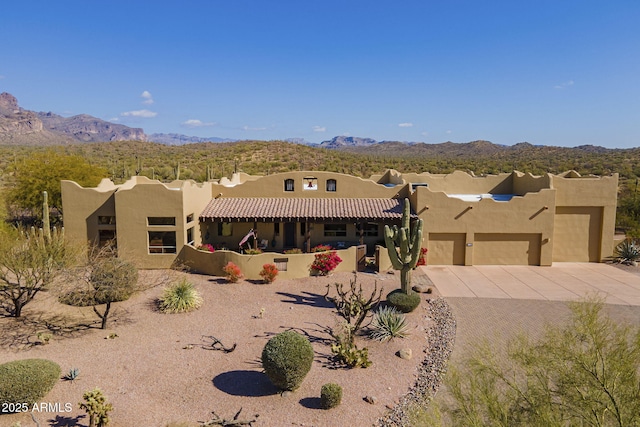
561,282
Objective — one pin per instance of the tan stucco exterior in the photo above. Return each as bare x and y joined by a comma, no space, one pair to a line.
510,218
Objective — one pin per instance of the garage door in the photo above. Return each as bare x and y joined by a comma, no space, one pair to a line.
577,234
506,249
446,249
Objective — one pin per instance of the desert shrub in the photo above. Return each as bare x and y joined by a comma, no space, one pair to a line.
321,248
626,252
352,305
269,273
330,395
325,262
96,406
286,359
293,251
406,303
232,272
180,297
207,247
388,323
345,350
252,251
27,381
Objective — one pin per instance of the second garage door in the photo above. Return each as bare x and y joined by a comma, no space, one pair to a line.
506,249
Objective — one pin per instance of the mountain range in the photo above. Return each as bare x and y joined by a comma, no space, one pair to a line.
24,127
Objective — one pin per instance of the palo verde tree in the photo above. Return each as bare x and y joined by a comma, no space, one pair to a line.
43,171
112,280
403,245
30,262
584,373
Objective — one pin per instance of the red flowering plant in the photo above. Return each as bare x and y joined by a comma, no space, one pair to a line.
207,247
325,262
232,271
421,259
269,273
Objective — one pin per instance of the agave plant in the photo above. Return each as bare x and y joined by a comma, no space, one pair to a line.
388,323
180,297
626,252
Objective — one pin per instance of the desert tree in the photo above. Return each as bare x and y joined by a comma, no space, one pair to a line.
30,262
583,373
43,171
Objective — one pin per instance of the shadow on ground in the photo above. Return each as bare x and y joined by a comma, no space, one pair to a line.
311,402
245,383
307,298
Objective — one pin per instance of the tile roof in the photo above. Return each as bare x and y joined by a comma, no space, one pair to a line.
291,209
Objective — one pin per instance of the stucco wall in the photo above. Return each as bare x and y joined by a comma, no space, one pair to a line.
298,265
83,206
273,186
447,219
585,217
548,217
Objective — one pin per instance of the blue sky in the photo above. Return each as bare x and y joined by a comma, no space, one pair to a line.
556,72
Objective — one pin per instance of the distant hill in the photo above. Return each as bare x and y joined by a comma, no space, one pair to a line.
24,127
178,139
339,142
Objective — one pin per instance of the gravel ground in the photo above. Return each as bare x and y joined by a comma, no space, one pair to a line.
161,368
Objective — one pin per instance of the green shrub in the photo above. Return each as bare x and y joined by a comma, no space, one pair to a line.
345,350
27,381
403,302
330,395
287,359
388,323
626,252
180,297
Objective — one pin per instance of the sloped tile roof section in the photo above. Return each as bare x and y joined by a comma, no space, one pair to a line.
309,209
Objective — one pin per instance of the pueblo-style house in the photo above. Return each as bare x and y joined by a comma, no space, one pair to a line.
511,218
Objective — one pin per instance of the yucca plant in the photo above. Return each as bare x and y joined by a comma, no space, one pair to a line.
180,297
388,323
627,252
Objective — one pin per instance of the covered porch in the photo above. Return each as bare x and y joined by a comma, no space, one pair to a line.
280,224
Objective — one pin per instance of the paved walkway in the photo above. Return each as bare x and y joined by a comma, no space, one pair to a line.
561,282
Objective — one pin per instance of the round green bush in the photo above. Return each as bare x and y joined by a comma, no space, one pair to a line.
330,395
403,302
27,381
287,359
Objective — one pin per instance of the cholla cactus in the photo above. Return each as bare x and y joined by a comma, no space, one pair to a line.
97,407
403,245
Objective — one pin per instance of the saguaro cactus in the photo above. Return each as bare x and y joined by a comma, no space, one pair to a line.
403,245
46,224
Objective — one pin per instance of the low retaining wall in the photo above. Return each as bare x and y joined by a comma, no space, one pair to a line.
297,265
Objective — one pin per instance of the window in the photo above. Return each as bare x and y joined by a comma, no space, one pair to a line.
161,220
107,237
106,220
190,235
331,185
162,242
276,228
288,185
225,229
370,229
189,218
310,183
335,230
303,228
